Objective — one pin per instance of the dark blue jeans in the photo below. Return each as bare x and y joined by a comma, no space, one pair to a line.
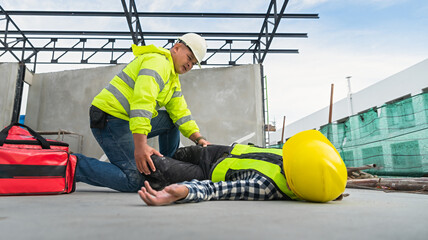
117,142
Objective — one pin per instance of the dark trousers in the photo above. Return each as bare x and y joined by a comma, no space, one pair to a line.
194,162
116,140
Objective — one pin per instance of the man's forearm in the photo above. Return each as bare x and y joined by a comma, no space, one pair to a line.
199,139
139,139
194,136
253,188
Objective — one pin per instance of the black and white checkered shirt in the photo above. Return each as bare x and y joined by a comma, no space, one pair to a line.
244,185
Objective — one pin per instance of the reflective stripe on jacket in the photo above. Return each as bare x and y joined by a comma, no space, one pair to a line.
145,85
266,161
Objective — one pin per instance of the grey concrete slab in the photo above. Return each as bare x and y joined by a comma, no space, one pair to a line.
9,74
225,102
100,213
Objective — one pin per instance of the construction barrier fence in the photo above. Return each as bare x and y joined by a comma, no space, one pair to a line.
393,136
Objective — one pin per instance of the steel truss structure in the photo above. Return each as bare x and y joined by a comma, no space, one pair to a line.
31,47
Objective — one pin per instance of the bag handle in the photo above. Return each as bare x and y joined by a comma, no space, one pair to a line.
5,132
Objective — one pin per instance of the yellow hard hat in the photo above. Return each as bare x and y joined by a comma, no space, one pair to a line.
313,167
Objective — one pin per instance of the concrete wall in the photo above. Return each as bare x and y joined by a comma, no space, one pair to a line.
8,77
225,102
409,81
61,100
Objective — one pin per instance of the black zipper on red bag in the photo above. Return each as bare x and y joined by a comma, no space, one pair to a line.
34,142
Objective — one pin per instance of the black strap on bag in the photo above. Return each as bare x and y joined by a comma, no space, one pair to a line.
5,132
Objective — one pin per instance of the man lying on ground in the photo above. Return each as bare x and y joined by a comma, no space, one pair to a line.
308,168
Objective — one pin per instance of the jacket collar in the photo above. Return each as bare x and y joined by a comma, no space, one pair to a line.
139,50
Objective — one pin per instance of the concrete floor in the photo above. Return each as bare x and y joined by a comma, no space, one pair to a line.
100,213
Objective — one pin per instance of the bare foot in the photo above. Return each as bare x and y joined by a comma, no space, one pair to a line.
167,196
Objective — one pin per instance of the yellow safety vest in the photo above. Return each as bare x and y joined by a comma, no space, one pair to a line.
145,85
266,161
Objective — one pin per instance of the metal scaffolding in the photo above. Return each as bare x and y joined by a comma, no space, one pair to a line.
31,43
31,47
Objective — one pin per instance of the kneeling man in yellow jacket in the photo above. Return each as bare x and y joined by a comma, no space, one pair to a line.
127,112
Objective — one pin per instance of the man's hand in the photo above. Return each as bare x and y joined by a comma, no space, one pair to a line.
203,142
142,154
143,159
199,138
167,196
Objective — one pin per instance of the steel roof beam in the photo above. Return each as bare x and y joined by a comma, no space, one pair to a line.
107,63
159,14
155,34
137,33
260,53
170,40
103,49
276,24
18,31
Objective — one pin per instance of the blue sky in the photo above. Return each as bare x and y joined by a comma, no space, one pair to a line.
369,40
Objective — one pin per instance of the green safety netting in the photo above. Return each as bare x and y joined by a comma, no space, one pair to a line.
393,136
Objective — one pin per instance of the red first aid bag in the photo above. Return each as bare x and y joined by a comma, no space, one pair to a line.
31,164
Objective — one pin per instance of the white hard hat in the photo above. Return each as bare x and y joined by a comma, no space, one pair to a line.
196,44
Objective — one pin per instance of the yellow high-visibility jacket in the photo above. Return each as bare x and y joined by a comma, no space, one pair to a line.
146,84
265,161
